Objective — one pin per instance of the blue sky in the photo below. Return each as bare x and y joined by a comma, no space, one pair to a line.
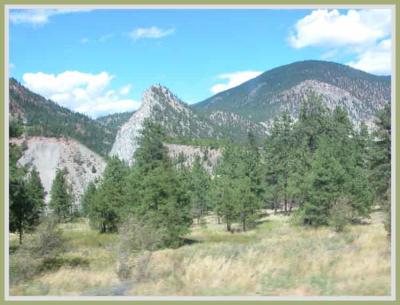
101,61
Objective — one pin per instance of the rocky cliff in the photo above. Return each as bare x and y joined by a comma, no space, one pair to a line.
48,154
162,106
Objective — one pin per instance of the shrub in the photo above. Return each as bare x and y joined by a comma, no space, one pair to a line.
139,239
340,215
38,253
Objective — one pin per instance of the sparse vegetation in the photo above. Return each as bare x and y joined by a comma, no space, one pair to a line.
297,206
290,260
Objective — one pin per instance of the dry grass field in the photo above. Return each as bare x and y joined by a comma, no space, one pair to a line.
276,258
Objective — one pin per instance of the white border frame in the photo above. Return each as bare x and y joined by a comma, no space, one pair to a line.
392,297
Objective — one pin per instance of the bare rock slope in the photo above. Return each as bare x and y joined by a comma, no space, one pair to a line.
48,154
162,106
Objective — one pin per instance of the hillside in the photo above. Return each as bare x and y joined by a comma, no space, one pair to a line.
180,122
283,88
114,121
43,117
48,154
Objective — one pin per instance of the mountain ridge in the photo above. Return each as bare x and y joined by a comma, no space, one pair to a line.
259,99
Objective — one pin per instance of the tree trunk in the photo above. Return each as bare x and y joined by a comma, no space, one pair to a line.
244,224
228,226
20,235
286,205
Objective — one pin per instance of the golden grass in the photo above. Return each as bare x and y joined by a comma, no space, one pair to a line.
275,259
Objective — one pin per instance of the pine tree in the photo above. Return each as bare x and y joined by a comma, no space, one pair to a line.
105,205
381,163
88,199
155,191
235,192
198,186
280,161
36,195
61,197
26,196
326,182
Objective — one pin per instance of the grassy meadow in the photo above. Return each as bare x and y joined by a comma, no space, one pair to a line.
276,258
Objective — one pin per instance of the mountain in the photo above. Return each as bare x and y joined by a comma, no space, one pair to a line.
43,117
284,88
47,154
114,121
160,105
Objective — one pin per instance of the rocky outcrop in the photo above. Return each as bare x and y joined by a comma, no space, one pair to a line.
162,106
332,96
48,154
209,157
264,97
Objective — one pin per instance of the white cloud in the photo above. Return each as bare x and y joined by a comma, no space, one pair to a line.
331,29
151,32
376,60
38,17
357,32
82,92
125,89
233,79
11,65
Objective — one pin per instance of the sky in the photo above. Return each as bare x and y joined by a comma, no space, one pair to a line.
100,61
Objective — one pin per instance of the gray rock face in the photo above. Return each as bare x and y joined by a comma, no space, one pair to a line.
162,106
332,96
48,154
208,156
262,98
126,140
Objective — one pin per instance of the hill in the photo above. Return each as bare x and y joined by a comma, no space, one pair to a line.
284,88
114,121
43,117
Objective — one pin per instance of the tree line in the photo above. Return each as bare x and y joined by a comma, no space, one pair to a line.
320,168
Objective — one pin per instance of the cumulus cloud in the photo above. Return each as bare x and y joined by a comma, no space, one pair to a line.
39,17
376,60
357,32
330,28
151,32
125,89
233,79
82,92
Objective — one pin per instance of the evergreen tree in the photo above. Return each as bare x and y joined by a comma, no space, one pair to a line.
326,182
61,197
381,162
280,161
15,127
20,208
151,152
155,190
88,199
26,196
36,195
105,205
199,184
235,194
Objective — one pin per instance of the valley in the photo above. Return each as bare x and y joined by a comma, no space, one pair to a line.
279,186
277,258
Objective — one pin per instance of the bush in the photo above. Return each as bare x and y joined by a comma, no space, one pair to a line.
139,239
340,215
38,253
